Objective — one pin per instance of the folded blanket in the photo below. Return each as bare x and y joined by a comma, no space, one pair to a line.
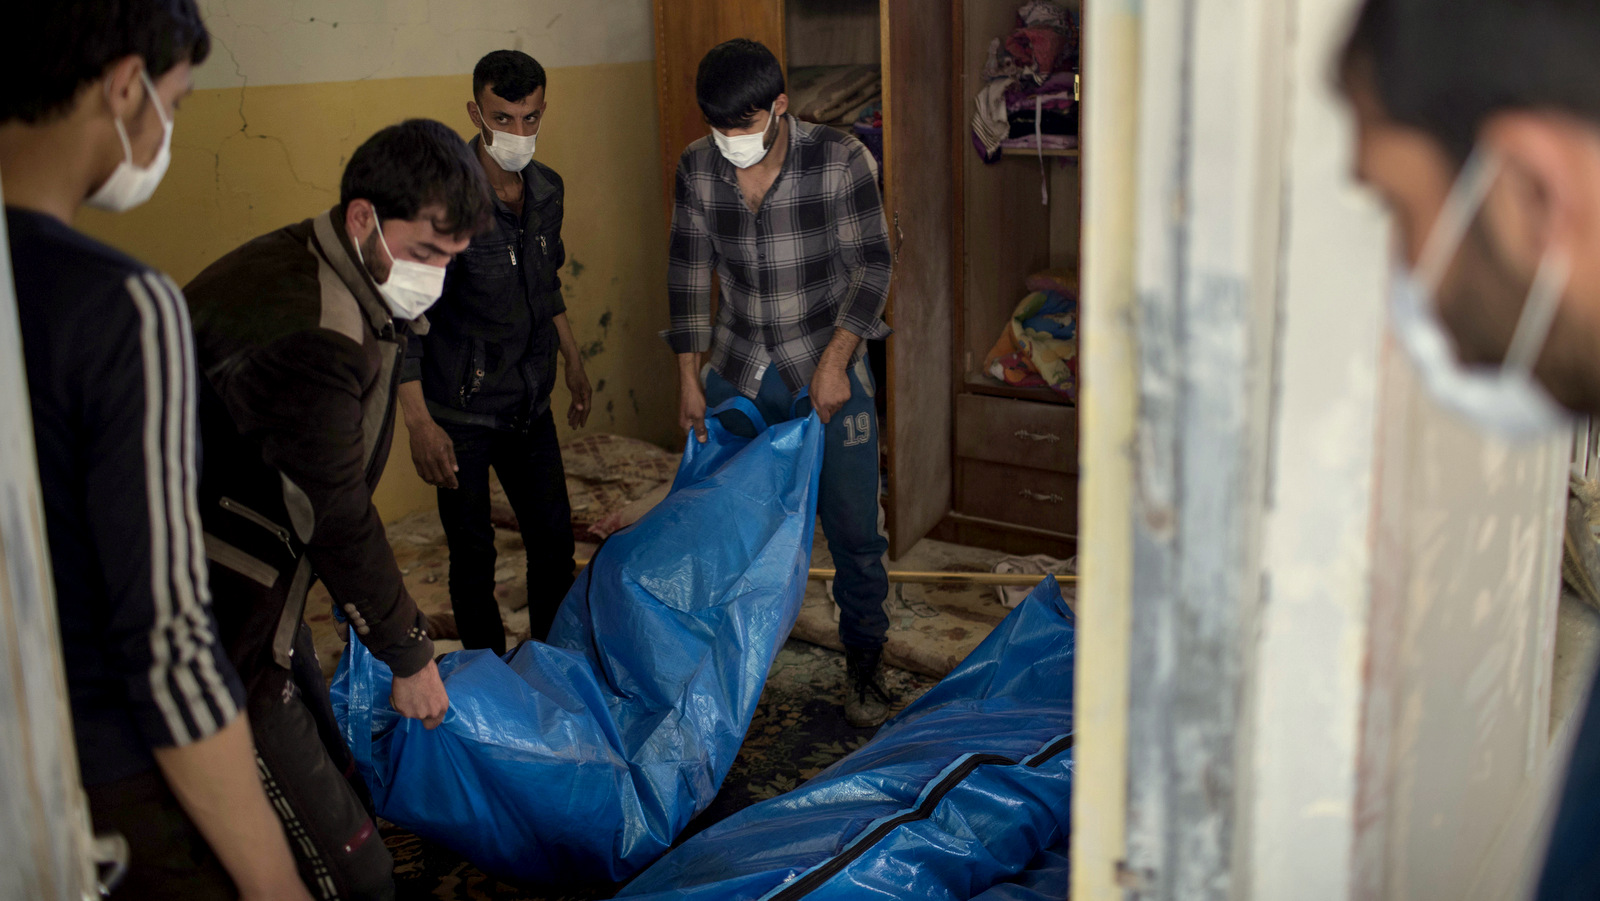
1039,345
816,92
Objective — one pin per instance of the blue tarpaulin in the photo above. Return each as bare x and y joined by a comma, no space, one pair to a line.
582,759
966,792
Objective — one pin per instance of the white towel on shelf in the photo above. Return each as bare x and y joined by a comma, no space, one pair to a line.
1036,565
989,121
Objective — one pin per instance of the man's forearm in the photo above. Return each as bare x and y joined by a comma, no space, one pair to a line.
217,783
840,351
689,368
413,406
569,344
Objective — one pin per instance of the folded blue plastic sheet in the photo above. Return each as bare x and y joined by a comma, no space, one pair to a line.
582,759
967,791
1047,878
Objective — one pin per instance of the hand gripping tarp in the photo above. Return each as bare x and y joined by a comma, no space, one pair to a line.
966,792
582,759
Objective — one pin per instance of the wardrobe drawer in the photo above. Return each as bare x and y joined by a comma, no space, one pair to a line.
1012,494
1019,432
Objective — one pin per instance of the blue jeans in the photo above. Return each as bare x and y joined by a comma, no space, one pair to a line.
847,499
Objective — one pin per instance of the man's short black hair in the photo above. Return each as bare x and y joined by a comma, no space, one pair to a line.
415,164
737,79
511,74
1447,66
55,47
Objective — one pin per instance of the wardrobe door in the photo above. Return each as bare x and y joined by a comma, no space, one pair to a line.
684,32
919,199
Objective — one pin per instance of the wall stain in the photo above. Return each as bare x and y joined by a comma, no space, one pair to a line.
599,386
634,401
591,350
577,268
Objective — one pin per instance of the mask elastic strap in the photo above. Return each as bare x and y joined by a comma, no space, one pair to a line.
1466,197
155,98
378,224
127,148
122,130
1538,312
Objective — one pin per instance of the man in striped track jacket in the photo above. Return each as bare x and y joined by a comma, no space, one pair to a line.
163,749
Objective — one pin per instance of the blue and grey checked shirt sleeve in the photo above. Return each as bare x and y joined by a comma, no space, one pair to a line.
691,259
864,243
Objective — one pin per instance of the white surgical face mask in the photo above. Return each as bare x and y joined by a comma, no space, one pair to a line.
412,287
1506,400
745,151
130,185
512,152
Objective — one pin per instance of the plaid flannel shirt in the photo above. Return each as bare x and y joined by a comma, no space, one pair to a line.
814,258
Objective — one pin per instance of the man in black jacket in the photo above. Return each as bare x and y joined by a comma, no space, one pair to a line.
300,335
476,390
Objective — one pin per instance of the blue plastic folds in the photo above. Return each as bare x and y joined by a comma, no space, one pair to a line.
965,794
582,759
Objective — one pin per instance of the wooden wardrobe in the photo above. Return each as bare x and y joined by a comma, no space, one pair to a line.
948,452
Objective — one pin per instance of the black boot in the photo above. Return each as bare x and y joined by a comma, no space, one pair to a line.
867,701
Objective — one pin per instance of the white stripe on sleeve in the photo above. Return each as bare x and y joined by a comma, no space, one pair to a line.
180,661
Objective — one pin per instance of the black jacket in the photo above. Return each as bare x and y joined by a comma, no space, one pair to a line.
489,357
301,359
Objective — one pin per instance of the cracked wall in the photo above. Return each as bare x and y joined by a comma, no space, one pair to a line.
291,89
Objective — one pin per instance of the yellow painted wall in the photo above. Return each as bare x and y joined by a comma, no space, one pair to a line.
251,159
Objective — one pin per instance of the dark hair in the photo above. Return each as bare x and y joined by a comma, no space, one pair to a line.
1447,66
512,75
415,164
58,46
737,79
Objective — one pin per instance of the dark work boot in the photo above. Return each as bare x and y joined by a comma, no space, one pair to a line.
866,702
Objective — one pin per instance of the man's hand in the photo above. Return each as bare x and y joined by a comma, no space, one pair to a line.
421,696
434,454
830,390
582,394
692,408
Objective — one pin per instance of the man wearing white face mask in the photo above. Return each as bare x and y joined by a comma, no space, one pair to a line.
163,749
788,215
1479,124
476,390
300,334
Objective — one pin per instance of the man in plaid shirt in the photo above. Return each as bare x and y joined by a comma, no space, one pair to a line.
788,215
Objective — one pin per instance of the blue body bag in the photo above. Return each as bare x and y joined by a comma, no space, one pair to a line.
582,759
965,794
